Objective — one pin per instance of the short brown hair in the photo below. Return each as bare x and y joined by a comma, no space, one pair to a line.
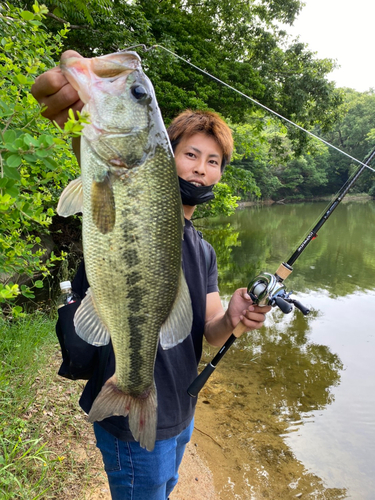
191,122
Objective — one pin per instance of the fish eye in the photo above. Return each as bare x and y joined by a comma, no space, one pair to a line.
139,92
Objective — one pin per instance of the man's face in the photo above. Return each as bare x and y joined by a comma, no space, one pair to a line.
198,159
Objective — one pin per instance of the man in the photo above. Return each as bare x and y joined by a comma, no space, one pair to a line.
203,145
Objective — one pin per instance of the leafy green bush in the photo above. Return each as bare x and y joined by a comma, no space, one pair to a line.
35,160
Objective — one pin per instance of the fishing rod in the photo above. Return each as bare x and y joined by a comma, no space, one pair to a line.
268,289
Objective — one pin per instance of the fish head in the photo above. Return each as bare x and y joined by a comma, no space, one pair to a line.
119,98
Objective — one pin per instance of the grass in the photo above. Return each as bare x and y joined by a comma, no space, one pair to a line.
45,445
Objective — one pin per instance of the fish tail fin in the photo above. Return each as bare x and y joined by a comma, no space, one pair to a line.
141,411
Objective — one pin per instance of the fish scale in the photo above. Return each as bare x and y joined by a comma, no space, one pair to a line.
132,233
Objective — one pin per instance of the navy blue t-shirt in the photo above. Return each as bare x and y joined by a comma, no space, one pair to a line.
175,368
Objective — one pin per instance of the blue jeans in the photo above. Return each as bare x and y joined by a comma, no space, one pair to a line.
137,474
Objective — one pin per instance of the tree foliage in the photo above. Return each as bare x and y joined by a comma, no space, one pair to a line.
238,41
354,134
35,161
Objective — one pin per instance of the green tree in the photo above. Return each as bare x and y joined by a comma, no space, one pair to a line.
353,134
239,42
277,169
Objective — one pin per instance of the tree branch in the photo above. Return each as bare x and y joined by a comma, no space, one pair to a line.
71,26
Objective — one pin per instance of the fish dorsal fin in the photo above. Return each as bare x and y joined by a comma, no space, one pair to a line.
71,199
88,324
178,324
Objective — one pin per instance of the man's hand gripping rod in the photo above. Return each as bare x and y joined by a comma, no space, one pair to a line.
265,290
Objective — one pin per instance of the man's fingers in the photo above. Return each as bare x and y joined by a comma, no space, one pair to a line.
48,83
65,97
62,117
69,53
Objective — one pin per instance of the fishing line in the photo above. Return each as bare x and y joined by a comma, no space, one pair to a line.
267,288
254,101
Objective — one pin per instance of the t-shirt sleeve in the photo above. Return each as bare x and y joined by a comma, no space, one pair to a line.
212,282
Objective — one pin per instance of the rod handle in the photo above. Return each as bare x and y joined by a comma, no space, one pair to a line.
202,378
239,330
199,382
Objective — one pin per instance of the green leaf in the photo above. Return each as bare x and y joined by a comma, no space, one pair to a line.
28,139
14,161
9,136
28,16
50,163
11,173
38,284
22,79
30,158
46,139
13,191
28,293
17,312
42,153
11,147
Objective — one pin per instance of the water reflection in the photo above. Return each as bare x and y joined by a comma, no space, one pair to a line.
314,375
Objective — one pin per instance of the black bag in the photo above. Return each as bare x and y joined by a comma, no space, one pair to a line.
79,358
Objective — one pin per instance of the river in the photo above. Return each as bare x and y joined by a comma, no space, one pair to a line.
289,411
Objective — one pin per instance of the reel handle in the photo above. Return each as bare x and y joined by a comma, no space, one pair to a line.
285,306
304,310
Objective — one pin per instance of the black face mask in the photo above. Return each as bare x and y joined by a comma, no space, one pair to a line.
195,195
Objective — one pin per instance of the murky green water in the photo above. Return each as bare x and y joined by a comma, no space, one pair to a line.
318,372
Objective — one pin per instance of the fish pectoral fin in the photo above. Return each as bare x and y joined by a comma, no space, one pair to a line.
103,205
179,322
88,324
71,199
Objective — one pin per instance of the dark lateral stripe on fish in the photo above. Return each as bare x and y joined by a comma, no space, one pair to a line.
136,324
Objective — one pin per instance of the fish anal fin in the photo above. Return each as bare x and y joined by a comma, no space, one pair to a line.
179,322
142,411
71,199
88,324
103,205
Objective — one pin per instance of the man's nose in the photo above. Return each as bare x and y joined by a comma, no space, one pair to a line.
200,167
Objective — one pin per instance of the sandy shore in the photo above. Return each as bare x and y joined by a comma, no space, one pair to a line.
196,480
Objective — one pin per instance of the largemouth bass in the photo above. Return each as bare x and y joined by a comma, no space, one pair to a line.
132,231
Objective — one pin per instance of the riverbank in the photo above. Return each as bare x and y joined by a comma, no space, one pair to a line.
358,197
49,448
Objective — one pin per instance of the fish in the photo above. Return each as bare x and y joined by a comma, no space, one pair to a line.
132,231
